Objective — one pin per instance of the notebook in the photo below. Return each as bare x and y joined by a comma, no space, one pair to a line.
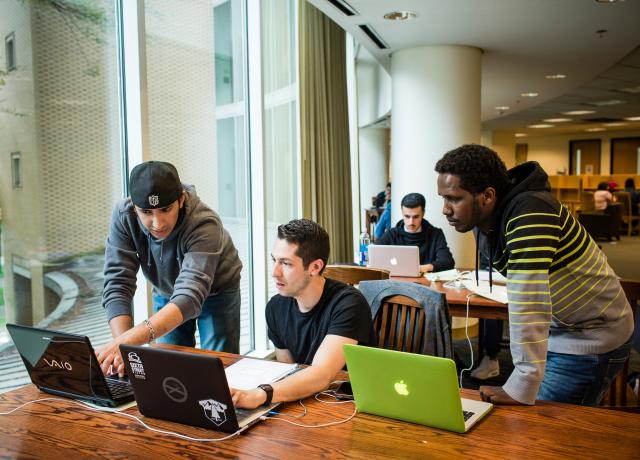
65,364
413,388
192,388
399,260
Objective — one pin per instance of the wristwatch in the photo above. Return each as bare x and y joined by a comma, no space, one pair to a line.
268,389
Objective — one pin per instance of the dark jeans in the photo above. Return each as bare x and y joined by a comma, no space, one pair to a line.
581,379
218,323
492,336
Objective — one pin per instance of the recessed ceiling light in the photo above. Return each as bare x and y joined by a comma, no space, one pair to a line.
502,108
594,130
630,90
632,118
529,94
520,135
400,15
579,112
555,76
605,103
540,126
556,120
615,123
609,1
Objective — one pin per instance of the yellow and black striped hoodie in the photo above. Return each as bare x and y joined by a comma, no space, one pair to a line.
563,295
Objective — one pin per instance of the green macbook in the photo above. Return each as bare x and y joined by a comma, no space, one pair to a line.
413,388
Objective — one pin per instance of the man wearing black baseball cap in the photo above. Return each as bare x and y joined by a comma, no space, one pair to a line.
186,254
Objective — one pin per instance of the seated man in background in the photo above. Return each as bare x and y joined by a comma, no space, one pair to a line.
570,323
384,222
414,230
310,319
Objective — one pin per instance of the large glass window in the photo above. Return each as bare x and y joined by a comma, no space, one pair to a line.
59,110
195,89
280,116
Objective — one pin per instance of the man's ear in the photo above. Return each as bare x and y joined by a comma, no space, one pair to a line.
489,196
315,267
182,198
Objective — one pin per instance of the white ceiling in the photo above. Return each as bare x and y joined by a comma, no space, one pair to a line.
522,41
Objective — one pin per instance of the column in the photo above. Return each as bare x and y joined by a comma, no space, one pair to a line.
436,107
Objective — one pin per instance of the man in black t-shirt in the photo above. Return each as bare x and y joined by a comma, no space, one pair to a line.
414,230
310,319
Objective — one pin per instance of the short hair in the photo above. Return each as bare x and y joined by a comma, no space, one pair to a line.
413,200
477,166
311,238
603,186
630,183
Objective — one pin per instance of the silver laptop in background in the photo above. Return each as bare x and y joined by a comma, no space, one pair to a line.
399,260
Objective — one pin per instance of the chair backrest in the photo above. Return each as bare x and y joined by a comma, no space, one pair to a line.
624,198
620,395
353,274
587,202
400,324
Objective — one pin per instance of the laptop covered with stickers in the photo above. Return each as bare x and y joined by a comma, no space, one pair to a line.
184,387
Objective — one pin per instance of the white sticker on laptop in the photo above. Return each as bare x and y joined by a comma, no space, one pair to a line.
136,366
215,411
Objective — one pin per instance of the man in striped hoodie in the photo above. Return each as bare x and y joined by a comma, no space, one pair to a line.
570,322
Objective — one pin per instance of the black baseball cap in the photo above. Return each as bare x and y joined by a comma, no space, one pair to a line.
154,184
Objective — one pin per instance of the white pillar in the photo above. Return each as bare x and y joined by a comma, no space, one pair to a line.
436,107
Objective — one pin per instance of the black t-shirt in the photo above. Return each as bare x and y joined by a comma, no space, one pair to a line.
341,310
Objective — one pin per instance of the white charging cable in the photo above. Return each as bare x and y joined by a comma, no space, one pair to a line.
466,333
123,414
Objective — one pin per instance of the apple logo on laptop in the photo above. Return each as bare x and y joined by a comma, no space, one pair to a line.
393,261
401,388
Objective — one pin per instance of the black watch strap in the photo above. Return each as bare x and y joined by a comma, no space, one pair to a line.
268,389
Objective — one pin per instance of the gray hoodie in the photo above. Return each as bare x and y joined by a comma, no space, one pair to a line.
196,260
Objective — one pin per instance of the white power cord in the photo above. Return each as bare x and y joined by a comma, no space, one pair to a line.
118,412
466,333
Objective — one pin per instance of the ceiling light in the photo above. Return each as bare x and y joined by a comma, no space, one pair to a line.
609,1
529,94
556,120
579,112
615,123
502,108
605,103
520,135
540,126
594,130
400,15
555,76
632,118
630,90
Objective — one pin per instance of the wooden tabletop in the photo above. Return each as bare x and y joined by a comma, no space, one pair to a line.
479,307
61,429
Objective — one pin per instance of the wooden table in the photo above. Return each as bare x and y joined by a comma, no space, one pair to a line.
479,307
62,430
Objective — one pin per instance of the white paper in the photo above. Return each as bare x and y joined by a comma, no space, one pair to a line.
249,373
445,275
495,276
497,293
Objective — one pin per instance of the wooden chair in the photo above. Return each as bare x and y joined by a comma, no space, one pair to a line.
400,324
353,274
620,395
624,198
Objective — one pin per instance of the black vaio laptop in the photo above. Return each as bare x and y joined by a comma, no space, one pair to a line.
65,365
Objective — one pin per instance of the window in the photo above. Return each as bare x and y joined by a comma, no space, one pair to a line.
16,173
10,51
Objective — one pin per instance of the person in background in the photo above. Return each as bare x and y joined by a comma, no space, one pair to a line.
602,197
384,222
570,324
311,317
414,230
186,254
630,186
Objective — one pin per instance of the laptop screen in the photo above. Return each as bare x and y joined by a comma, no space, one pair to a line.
59,361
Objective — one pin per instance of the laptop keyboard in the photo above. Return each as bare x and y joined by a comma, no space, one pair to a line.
119,389
467,415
